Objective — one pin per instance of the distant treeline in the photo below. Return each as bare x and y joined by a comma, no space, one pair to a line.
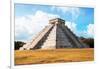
18,44
88,41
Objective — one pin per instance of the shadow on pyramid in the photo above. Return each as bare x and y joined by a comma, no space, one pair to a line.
54,36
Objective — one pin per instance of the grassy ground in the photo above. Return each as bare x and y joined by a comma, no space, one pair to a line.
53,56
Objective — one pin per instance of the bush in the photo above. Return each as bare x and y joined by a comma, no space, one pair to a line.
18,44
88,41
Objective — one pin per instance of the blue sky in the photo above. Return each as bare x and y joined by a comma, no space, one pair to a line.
30,19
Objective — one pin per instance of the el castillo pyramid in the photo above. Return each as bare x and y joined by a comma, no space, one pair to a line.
55,35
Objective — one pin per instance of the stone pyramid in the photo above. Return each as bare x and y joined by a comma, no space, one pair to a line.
54,36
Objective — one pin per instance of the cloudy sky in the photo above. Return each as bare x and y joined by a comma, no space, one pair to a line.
31,19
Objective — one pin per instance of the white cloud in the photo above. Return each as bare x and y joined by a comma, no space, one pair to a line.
71,26
74,11
88,33
29,25
90,30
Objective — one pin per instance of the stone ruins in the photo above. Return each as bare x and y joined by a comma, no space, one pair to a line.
55,35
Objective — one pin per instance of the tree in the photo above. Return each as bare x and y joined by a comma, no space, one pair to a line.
18,44
88,41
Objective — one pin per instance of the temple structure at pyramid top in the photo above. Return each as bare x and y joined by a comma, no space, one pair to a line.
54,36
57,21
